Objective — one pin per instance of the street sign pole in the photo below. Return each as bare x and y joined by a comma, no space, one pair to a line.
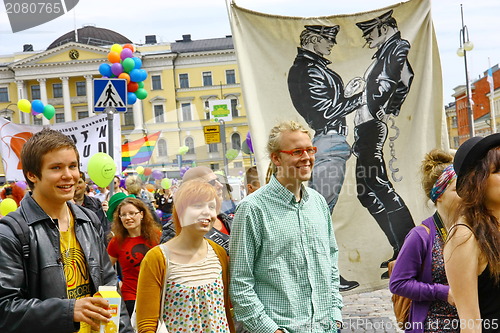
224,147
110,111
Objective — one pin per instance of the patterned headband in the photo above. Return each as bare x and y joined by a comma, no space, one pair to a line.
442,182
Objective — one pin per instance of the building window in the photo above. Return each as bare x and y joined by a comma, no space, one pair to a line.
238,165
81,88
183,80
128,117
189,142
156,80
4,95
37,121
214,166
60,117
453,122
35,91
83,114
213,147
207,78
162,147
207,110
159,114
234,108
456,142
186,111
236,141
230,76
57,90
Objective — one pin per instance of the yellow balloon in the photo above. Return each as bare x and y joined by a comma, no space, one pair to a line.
139,170
24,105
7,205
116,48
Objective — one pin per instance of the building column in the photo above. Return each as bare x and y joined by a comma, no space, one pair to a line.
43,97
138,115
90,94
66,99
21,94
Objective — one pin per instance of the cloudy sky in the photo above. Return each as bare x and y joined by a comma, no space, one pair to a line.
170,19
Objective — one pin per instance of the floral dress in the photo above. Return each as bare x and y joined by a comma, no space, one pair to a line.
195,308
442,317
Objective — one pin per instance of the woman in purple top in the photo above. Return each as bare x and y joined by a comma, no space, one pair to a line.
419,272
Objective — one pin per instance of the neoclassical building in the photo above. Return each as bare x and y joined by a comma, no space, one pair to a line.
183,77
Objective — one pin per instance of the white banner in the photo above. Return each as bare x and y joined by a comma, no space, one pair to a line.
89,134
369,86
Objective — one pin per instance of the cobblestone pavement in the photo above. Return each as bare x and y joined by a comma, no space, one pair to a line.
369,312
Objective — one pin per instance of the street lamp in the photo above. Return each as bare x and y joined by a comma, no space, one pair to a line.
6,112
465,46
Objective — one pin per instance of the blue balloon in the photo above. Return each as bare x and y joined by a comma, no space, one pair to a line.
37,106
131,98
144,74
105,70
135,75
138,62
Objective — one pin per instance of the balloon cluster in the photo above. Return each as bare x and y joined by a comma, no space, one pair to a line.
143,172
36,108
125,66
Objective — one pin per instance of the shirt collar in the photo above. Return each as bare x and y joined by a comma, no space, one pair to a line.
285,193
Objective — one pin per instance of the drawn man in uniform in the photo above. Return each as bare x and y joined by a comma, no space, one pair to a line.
318,94
388,80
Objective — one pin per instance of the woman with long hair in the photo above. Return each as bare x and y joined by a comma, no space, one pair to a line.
192,271
472,253
419,270
134,233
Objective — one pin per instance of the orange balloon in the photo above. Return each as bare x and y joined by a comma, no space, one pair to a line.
114,57
150,187
129,46
124,76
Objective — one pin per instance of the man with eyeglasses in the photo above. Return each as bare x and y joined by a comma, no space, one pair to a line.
318,94
283,253
222,226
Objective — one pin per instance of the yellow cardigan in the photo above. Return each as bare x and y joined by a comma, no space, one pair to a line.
150,287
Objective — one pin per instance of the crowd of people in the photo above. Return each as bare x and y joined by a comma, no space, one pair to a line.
195,268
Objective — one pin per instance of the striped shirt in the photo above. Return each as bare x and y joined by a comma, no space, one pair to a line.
284,262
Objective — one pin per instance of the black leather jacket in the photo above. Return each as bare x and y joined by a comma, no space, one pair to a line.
37,300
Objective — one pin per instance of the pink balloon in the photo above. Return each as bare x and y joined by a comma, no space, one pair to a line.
117,68
126,53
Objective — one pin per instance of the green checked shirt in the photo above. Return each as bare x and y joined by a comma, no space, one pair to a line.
283,262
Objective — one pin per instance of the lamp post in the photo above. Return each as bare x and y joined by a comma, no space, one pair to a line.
465,46
4,112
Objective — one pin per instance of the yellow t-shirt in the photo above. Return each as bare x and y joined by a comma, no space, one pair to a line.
75,268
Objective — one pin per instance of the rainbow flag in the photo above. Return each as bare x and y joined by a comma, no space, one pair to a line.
139,151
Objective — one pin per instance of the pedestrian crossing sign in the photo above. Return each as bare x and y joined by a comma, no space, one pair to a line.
110,93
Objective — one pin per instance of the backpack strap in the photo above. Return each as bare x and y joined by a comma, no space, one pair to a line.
20,229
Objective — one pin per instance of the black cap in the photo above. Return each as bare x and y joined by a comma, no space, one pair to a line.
368,26
327,32
471,152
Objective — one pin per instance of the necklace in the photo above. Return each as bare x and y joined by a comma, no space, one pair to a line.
65,238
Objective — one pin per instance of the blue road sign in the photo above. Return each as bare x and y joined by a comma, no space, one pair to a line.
110,93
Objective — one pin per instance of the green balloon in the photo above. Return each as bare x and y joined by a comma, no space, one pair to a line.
49,111
101,169
166,183
141,84
128,64
141,93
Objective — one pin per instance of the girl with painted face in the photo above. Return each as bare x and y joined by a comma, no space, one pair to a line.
135,233
192,269
419,270
472,253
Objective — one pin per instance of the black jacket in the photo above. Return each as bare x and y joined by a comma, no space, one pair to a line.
37,300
